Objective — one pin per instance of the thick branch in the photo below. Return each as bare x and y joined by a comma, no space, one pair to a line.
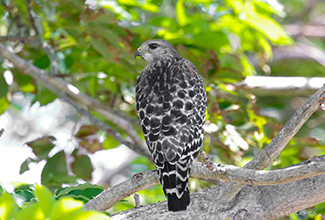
317,31
55,85
253,202
231,173
273,149
280,86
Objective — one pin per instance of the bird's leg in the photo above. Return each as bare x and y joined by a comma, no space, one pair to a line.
214,167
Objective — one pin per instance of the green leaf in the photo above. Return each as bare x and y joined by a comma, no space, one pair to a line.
23,196
82,166
150,7
8,207
128,2
43,95
42,62
69,61
24,167
47,207
42,146
28,88
3,87
248,69
83,192
265,7
236,5
93,86
101,46
3,105
101,17
290,151
166,22
25,82
64,207
109,35
45,199
266,46
204,2
55,165
110,142
86,215
266,25
111,85
181,13
31,212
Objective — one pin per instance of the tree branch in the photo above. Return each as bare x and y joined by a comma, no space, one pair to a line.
15,38
146,179
280,85
317,31
253,202
60,87
274,148
47,48
2,130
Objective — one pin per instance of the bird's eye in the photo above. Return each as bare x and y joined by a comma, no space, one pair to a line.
153,46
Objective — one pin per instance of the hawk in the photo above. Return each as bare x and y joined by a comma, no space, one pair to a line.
171,104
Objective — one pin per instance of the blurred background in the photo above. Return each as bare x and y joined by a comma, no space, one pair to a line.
260,61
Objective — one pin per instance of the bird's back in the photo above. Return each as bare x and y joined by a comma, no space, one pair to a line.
171,104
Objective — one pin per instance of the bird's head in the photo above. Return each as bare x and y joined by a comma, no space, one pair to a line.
156,50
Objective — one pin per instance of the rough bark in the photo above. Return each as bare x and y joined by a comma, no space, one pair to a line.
252,202
144,180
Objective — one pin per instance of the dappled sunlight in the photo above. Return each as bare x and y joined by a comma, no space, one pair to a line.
8,77
73,89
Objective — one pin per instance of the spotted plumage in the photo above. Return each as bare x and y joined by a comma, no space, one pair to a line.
171,103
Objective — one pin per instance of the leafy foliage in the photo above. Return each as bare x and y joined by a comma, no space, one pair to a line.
55,171
92,46
38,203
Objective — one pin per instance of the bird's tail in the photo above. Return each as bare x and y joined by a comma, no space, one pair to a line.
174,181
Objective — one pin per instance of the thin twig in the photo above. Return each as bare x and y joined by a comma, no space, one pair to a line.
15,38
31,18
274,148
137,200
2,131
16,19
47,48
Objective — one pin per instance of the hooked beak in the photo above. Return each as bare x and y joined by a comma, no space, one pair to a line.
137,52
